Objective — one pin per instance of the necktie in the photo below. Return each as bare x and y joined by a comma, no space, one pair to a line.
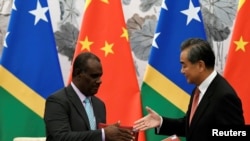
90,113
194,103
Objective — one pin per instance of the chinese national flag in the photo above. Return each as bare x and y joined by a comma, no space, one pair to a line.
104,33
237,69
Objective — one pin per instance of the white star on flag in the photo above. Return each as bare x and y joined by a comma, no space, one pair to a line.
191,12
5,43
164,6
39,13
154,44
13,5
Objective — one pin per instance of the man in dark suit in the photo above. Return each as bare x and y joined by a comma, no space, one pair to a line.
65,116
218,103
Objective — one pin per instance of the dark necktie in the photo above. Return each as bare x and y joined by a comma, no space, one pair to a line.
90,113
194,103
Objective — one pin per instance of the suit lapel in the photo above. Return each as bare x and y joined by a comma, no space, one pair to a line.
76,102
204,103
95,108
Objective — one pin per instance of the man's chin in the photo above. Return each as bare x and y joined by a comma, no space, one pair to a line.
94,91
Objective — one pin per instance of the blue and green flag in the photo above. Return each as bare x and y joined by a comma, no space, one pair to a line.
29,70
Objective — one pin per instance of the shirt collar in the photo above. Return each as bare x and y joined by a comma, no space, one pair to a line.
78,92
204,85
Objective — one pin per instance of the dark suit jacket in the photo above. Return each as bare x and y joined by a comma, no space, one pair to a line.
219,107
66,119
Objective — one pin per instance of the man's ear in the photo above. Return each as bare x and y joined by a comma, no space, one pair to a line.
202,65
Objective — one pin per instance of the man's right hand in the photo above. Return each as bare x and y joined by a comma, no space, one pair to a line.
115,133
151,120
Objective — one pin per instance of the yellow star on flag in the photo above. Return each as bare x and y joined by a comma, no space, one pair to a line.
105,1
87,2
86,44
124,33
240,44
107,48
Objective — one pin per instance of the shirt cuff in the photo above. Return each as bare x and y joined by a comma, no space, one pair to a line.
103,135
159,127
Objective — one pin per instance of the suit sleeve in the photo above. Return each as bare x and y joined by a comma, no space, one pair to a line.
172,126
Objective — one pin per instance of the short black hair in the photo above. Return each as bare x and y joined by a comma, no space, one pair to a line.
199,50
80,64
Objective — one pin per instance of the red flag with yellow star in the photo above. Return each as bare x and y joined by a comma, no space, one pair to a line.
237,69
104,33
